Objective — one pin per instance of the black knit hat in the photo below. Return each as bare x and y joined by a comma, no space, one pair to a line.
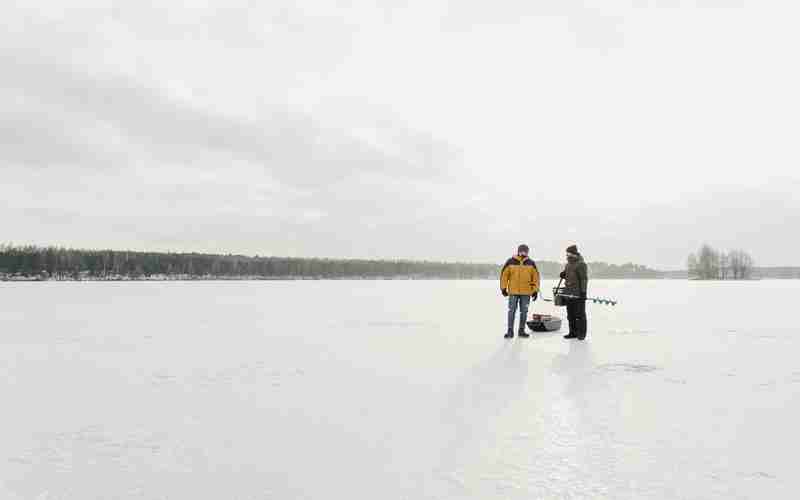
523,248
572,249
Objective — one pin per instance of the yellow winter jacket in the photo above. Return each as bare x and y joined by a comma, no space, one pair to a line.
520,276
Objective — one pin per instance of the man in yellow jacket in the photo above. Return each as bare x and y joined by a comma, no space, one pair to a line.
519,281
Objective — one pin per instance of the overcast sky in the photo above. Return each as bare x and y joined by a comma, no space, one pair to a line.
427,129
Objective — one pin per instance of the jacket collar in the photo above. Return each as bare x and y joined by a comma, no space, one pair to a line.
574,257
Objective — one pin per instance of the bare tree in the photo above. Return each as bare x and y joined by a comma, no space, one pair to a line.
735,263
724,265
747,266
708,263
741,265
693,266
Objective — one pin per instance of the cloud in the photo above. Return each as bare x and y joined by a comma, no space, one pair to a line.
33,134
439,130
287,144
96,157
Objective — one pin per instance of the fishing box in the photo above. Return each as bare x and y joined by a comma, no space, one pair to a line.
544,323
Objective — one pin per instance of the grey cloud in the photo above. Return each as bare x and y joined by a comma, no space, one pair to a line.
108,143
34,136
92,157
289,145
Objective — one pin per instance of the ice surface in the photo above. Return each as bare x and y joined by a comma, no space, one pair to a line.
392,390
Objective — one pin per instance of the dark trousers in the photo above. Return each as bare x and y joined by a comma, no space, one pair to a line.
576,315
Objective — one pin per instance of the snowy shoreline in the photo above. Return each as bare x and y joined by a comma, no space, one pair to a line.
36,279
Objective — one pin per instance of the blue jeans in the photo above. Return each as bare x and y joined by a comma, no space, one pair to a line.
523,301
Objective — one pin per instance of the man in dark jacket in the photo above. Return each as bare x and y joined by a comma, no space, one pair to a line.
519,281
576,282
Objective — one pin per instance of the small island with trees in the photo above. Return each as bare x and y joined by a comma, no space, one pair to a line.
711,264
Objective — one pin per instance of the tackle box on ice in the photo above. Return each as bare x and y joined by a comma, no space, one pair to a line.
544,323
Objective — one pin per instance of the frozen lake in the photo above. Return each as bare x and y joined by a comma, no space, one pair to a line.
394,390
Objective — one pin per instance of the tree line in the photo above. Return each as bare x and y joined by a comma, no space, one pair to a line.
711,264
59,263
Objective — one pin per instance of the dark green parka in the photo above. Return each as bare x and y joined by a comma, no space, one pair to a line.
576,276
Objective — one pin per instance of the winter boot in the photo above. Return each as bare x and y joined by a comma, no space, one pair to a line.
581,323
509,334
573,327
522,333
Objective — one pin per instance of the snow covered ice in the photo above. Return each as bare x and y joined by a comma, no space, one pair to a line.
394,390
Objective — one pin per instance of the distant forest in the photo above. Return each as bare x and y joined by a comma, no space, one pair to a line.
43,263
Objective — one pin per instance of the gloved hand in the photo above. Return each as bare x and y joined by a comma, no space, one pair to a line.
563,275
534,297
504,292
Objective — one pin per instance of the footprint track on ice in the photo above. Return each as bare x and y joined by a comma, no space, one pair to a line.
631,332
760,475
383,324
628,367
67,451
242,374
